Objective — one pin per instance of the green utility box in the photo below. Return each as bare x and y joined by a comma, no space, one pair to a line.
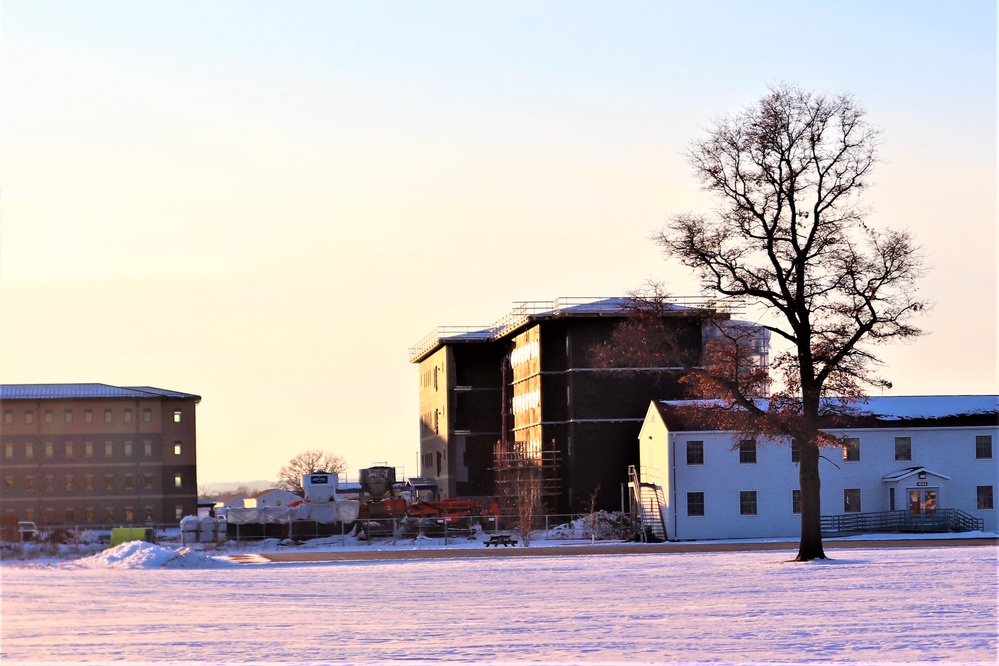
125,534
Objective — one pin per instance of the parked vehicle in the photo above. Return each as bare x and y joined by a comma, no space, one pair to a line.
27,530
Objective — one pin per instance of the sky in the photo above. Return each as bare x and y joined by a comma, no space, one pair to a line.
267,204
864,606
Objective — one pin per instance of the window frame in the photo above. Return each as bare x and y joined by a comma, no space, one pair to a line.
982,498
851,449
851,495
983,447
906,452
695,499
747,452
696,447
749,503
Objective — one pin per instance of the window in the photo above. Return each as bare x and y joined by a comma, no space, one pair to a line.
49,449
695,504
147,448
176,416
69,449
178,511
985,500
149,514
129,482
128,449
176,448
795,451
147,415
903,448
108,449
128,416
983,447
747,451
8,450
109,482
69,481
70,515
851,500
747,502
107,416
29,483
891,499
49,482
29,416
29,514
129,514
851,449
88,514
8,483
88,449
8,417
68,416
695,454
178,481
88,416
795,501
88,482
49,515
48,416
109,514
29,450
147,481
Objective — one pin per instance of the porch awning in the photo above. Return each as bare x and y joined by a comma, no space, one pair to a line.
906,473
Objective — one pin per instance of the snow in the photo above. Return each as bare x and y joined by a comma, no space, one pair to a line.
141,602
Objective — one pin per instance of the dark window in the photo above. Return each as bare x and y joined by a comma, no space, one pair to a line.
747,502
695,453
903,448
983,447
795,451
985,500
747,451
796,501
851,449
851,500
695,504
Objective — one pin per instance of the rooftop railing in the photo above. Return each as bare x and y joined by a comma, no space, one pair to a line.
524,311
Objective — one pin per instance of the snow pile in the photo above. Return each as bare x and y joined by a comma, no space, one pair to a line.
142,555
601,525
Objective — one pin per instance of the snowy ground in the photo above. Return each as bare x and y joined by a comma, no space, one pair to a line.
142,602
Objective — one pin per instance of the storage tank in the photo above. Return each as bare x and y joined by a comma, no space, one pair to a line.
320,487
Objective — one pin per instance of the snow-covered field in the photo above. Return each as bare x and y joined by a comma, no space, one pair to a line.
145,603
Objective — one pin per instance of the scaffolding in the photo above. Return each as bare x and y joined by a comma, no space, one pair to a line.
523,466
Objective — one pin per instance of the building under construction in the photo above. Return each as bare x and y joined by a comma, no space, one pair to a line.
527,396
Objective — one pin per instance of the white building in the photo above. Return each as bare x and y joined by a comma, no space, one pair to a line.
270,498
919,457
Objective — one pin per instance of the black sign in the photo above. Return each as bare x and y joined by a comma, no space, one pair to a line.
319,479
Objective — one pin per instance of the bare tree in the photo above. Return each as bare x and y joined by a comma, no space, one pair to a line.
789,235
307,462
523,485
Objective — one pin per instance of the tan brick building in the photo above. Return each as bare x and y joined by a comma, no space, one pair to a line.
97,455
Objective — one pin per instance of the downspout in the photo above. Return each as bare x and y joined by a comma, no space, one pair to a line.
672,482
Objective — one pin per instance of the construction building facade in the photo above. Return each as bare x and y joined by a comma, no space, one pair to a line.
528,391
94,454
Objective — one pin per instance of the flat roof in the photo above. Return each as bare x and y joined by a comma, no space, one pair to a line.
527,311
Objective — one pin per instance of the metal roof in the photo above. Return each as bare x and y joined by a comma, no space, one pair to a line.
78,391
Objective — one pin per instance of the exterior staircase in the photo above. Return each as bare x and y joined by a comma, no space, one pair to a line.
647,500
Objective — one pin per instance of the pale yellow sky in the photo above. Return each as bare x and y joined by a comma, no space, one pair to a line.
267,205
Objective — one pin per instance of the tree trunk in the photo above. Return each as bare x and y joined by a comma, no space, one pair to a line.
810,546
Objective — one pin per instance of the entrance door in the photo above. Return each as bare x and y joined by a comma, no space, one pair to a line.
923,502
